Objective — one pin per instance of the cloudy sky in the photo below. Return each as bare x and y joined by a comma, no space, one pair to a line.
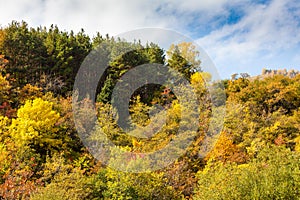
238,35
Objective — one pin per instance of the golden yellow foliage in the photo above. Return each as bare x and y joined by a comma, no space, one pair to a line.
188,51
4,121
224,150
29,92
4,89
297,147
35,123
2,36
200,78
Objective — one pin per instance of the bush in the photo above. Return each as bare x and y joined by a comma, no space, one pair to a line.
273,174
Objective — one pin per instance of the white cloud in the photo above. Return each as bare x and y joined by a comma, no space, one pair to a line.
20,10
257,40
104,16
265,32
111,16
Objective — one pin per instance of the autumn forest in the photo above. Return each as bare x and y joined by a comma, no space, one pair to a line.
254,155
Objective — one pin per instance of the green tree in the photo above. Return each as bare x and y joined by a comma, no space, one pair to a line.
25,51
183,57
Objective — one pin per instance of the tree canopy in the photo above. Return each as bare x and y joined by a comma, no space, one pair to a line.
255,156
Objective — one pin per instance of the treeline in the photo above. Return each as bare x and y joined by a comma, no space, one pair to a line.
48,58
256,155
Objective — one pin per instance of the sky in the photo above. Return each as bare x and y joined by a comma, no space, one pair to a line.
238,35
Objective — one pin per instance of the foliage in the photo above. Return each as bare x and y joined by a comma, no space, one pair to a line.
254,156
33,53
4,89
121,185
274,174
20,179
71,185
39,129
224,150
184,58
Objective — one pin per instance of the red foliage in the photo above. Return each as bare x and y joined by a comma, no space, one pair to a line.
7,110
18,184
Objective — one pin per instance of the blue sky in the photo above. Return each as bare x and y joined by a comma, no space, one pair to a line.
238,35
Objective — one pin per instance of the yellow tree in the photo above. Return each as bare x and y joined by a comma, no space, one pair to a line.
188,51
183,57
2,36
297,147
4,154
225,150
36,125
4,89
199,81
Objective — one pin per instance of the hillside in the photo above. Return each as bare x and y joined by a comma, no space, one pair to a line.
187,139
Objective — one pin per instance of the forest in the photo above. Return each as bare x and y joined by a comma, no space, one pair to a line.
255,155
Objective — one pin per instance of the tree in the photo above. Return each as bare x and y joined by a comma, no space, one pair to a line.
273,175
68,183
38,130
124,56
189,52
3,62
4,89
184,58
66,51
199,81
225,151
152,185
25,51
